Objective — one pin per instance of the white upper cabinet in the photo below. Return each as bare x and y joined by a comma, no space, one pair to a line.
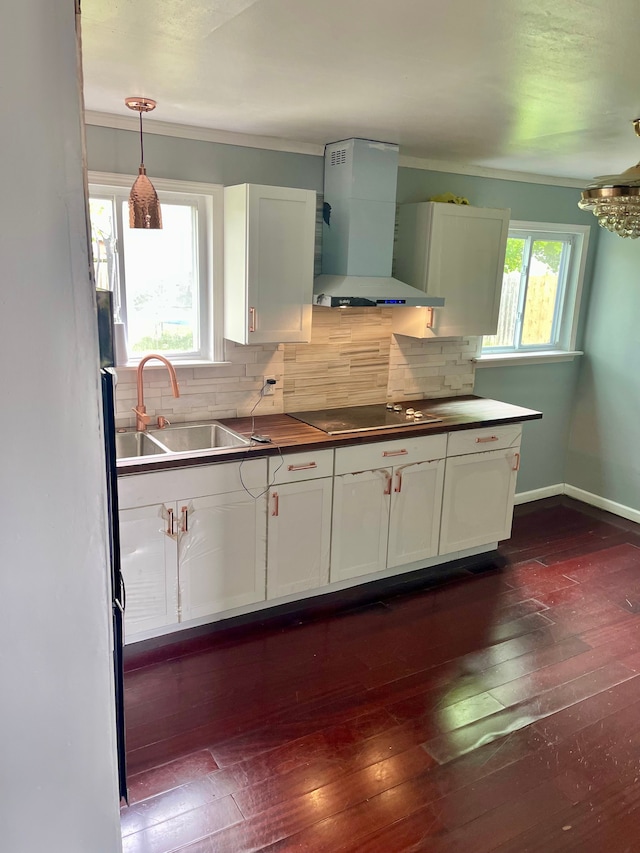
457,252
269,235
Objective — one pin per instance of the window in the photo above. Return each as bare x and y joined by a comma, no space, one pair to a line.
165,282
541,285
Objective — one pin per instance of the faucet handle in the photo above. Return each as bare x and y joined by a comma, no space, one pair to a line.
141,414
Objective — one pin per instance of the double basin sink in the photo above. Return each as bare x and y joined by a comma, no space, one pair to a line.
186,438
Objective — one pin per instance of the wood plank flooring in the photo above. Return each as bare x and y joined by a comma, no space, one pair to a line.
497,712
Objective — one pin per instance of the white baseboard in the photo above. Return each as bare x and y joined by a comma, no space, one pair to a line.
539,494
602,503
580,495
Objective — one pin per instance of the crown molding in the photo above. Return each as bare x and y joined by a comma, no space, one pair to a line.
488,172
203,134
274,143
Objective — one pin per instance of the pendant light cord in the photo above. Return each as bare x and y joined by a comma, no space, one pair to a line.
141,143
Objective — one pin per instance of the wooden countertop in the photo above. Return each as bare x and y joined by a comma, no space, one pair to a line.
287,433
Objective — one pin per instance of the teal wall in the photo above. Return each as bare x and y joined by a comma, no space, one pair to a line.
604,454
549,388
110,150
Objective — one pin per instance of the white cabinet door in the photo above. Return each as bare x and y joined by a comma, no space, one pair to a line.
268,261
416,502
360,523
299,536
477,506
149,568
221,553
454,251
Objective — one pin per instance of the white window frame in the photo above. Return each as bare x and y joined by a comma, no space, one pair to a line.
567,321
210,199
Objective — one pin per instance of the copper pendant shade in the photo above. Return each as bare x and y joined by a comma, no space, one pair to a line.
615,199
144,206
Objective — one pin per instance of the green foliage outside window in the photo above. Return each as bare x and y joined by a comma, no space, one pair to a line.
547,252
166,341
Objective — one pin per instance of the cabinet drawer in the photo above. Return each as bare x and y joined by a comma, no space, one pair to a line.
307,465
487,438
198,481
383,454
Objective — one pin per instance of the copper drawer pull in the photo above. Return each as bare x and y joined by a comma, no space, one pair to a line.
276,504
302,467
488,438
252,319
395,452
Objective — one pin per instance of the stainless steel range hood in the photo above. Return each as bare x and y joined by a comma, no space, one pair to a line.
360,178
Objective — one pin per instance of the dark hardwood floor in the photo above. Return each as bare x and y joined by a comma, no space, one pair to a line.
497,712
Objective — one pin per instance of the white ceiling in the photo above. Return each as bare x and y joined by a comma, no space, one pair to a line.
547,87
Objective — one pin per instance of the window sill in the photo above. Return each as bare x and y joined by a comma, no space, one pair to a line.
507,359
177,363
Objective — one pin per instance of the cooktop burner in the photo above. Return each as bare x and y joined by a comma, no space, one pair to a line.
363,418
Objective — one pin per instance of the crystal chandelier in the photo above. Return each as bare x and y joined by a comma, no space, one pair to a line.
615,199
144,207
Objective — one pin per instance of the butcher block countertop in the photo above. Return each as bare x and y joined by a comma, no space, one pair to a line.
288,434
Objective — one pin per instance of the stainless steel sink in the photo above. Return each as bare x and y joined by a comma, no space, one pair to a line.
177,439
180,439
130,445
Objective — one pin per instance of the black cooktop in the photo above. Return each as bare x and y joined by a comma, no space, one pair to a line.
360,418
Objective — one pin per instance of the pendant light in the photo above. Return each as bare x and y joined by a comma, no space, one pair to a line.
615,199
144,207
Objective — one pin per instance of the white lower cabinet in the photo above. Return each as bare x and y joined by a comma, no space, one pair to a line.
479,489
188,558
299,522
360,523
149,560
327,516
414,523
388,516
221,553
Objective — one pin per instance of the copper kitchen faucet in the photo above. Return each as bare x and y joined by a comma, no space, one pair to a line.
142,418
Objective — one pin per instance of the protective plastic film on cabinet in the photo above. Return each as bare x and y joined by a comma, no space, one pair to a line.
221,553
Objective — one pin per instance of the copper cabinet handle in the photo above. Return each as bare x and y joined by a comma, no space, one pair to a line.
395,452
302,467
389,479
252,319
169,530
398,488
185,519
276,504
516,467
488,438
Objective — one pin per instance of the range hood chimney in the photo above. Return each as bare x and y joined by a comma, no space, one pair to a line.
360,178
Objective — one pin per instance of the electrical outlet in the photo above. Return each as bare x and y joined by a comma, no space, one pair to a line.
269,386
